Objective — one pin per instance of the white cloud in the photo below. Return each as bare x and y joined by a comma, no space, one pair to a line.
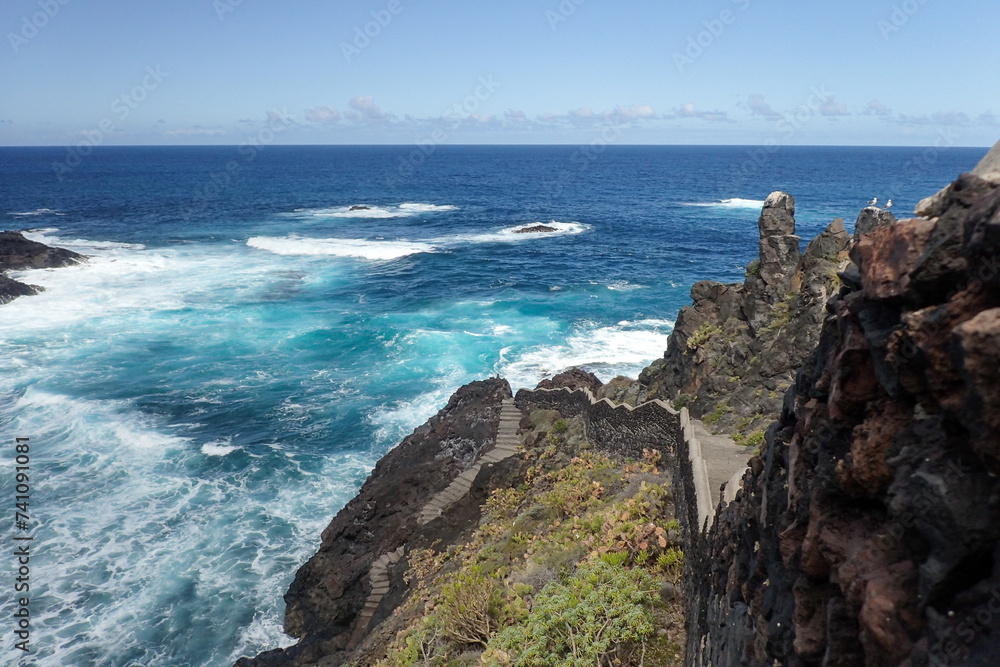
831,107
365,109
758,107
940,118
632,111
323,114
195,132
876,108
689,110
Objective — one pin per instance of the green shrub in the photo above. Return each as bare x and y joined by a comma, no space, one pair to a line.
753,268
703,335
470,609
560,426
683,401
716,414
580,623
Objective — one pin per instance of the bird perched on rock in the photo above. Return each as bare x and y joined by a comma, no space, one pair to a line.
873,202
887,206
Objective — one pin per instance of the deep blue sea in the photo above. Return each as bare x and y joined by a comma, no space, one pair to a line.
219,379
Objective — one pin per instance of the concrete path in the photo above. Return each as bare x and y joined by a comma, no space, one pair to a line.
725,460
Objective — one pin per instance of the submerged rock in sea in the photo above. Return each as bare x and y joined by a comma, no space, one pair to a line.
536,229
18,254
360,208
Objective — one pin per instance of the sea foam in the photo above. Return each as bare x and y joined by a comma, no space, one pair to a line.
358,248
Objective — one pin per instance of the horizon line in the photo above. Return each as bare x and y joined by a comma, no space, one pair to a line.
502,145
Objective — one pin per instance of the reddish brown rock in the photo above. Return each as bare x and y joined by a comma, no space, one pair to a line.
888,255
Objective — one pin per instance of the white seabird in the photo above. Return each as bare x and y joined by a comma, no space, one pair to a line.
888,205
873,202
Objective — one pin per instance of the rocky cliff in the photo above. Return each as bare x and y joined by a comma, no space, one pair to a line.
18,254
735,350
325,601
868,529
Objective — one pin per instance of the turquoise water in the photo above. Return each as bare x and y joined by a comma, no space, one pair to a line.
216,382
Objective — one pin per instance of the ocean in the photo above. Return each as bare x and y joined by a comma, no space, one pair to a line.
217,381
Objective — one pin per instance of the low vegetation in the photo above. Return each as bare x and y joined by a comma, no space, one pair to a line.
576,566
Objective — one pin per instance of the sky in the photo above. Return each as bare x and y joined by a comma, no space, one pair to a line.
852,72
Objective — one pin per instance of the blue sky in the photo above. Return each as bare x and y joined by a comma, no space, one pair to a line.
872,72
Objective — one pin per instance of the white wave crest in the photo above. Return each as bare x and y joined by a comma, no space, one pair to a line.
735,202
83,246
373,212
38,211
358,248
607,351
511,235
219,447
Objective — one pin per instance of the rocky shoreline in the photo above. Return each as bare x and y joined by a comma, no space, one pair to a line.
20,254
862,374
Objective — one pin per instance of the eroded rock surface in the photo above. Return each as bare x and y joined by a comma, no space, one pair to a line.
868,529
325,601
734,351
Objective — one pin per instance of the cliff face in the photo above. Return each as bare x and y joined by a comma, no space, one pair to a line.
735,350
868,530
325,601
18,253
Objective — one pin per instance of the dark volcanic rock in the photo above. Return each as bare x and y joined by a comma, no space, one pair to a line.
734,351
360,208
870,219
11,289
326,598
867,531
535,230
574,378
18,253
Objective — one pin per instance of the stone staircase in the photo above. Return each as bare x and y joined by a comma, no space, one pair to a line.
379,578
506,446
718,460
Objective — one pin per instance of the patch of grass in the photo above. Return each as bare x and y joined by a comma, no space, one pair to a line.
755,439
683,400
560,426
716,414
753,268
703,335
